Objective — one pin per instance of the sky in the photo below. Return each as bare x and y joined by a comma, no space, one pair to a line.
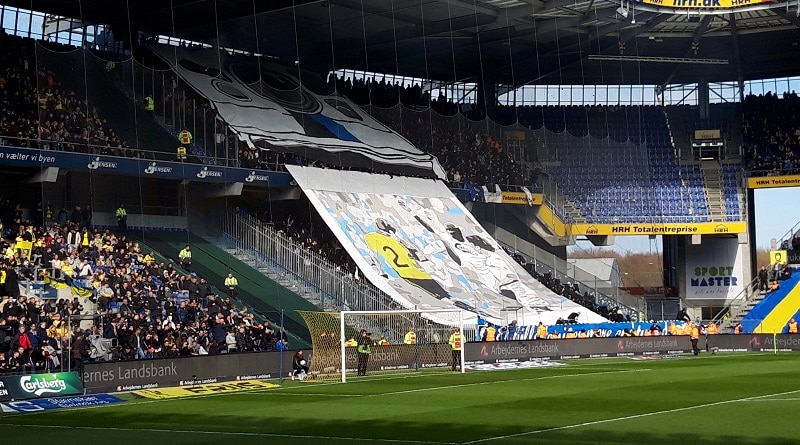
777,212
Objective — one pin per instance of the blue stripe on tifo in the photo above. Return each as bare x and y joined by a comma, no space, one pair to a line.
335,128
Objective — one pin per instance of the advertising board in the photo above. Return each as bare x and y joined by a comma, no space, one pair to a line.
183,371
32,386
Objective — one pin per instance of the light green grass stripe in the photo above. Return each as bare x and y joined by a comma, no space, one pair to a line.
631,417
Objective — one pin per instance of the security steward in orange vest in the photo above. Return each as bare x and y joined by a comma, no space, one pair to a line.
694,335
541,331
792,327
185,137
491,333
455,348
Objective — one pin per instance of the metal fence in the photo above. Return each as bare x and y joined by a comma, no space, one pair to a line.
336,289
564,277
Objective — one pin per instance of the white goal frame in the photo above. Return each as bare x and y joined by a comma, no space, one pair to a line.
420,312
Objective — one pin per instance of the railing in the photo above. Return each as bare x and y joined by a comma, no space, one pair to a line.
127,152
747,295
564,277
337,290
787,237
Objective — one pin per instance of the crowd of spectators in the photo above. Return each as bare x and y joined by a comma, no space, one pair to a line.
570,290
468,156
137,307
37,111
771,134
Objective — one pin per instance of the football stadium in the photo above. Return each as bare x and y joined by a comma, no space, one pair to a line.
431,222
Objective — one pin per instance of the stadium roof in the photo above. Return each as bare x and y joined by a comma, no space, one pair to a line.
510,42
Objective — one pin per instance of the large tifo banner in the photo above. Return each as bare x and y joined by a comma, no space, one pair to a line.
714,269
415,241
272,105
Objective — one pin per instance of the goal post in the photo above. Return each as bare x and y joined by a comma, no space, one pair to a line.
392,342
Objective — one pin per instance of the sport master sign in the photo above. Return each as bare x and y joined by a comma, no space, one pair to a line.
714,269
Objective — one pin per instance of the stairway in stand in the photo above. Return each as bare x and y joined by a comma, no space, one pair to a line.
711,172
273,271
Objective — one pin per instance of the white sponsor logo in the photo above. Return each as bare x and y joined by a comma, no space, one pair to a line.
155,168
513,365
42,385
206,173
97,163
252,177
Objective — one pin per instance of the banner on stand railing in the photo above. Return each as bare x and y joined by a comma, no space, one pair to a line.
28,157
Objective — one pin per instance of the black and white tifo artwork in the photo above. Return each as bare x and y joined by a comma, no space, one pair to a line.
433,253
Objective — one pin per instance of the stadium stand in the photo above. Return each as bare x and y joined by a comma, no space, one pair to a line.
263,294
39,112
601,144
626,184
481,157
121,302
771,135
612,179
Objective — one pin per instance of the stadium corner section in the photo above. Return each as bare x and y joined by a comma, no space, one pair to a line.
772,314
257,290
415,241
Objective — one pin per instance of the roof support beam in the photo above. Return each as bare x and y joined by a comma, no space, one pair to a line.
472,6
737,60
696,37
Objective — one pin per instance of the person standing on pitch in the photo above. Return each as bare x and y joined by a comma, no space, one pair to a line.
694,335
455,346
411,337
364,349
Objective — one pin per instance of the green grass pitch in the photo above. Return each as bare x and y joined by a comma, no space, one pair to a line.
712,399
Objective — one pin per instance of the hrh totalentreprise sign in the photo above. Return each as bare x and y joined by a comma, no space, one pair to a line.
660,229
764,182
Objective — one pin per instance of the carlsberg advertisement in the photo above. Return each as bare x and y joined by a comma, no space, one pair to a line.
44,385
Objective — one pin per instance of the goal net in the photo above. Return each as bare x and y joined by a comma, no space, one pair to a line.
358,343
